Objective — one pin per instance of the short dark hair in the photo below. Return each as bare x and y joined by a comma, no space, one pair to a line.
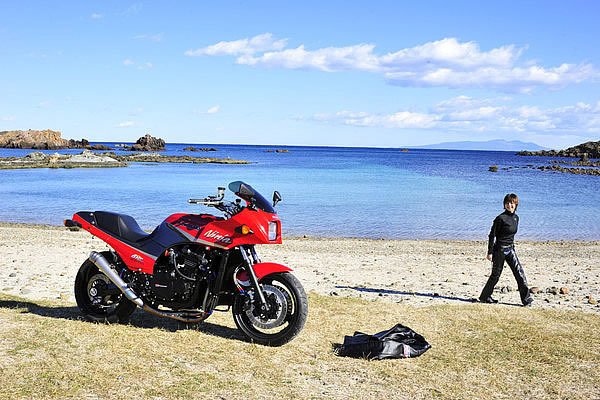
511,198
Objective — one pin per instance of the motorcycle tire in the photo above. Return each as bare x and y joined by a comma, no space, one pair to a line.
296,311
110,308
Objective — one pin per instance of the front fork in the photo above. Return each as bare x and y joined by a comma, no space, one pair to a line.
250,258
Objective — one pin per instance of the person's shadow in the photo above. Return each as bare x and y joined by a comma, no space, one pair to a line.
383,292
138,319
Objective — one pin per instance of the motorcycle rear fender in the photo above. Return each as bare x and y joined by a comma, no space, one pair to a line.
267,268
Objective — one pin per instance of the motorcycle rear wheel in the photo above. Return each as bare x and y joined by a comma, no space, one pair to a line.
283,290
96,306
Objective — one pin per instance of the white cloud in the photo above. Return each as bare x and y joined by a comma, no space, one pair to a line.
8,118
127,62
330,59
259,43
126,124
213,110
522,79
402,119
450,52
465,114
96,16
447,62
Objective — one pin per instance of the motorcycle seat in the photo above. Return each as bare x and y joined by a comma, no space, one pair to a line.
120,225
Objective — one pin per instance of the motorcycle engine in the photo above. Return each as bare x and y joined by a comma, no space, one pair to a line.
176,278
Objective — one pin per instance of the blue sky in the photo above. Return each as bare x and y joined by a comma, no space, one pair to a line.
386,74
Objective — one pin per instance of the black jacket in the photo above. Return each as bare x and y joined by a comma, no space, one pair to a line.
504,228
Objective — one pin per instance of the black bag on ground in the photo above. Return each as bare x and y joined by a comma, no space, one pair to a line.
397,342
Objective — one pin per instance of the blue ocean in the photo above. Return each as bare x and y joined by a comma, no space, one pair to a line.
327,191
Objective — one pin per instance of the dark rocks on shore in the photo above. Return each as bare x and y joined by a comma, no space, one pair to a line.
277,151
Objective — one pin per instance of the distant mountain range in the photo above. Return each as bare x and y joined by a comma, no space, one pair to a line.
497,145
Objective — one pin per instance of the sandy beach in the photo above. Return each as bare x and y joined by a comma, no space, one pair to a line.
40,262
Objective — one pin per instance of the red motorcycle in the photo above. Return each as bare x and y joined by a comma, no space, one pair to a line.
190,265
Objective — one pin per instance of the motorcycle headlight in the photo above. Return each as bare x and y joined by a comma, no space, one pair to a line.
272,231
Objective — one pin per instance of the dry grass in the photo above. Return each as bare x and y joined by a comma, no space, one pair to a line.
479,352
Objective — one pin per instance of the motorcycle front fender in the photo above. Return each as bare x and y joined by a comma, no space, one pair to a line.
267,268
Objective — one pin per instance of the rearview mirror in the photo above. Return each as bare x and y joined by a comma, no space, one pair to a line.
276,198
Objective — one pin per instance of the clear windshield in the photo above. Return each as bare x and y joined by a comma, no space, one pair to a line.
246,192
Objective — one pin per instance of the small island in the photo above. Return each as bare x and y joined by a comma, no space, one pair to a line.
40,140
585,152
196,149
145,149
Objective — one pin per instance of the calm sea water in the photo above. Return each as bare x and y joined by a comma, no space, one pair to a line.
346,192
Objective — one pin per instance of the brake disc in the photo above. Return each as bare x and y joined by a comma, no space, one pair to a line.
93,289
278,308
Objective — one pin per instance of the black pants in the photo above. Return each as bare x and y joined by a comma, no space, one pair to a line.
509,255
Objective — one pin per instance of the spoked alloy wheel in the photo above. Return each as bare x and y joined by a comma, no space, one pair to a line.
288,309
98,298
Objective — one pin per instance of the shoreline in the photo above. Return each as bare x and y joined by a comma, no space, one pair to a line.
40,262
42,225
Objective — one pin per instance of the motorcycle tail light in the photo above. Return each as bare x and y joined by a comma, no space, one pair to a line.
272,231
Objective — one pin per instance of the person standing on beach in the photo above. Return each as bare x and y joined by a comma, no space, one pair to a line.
501,248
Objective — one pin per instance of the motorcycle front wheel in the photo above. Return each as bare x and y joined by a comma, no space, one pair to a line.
98,298
288,310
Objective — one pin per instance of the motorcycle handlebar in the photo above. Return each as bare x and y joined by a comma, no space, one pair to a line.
229,208
211,200
206,202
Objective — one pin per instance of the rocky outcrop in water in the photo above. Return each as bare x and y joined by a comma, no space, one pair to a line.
148,143
583,151
192,148
589,170
159,158
87,159
584,166
99,147
41,140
